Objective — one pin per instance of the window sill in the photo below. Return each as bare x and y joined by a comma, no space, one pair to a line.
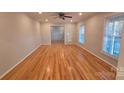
113,57
81,43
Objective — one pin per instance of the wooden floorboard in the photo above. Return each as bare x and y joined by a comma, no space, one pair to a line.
61,62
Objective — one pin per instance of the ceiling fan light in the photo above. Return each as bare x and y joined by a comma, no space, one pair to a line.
80,14
39,12
46,20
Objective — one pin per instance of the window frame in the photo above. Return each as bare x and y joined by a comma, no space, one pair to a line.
104,31
79,34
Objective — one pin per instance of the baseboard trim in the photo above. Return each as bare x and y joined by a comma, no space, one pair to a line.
47,44
19,62
96,56
43,44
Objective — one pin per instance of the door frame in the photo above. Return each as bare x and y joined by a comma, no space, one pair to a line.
56,25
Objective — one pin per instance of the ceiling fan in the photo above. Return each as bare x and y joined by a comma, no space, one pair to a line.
61,15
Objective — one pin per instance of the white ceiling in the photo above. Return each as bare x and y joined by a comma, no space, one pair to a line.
53,16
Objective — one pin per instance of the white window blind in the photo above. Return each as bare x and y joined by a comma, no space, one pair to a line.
112,35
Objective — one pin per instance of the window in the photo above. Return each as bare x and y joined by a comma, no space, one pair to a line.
112,35
81,34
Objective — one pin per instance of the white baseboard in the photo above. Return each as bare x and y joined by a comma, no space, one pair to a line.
97,56
46,44
19,62
43,44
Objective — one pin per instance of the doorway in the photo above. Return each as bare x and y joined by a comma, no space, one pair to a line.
57,34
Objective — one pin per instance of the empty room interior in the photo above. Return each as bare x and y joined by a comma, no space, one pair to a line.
61,45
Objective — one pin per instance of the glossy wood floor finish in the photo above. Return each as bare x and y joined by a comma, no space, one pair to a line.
61,62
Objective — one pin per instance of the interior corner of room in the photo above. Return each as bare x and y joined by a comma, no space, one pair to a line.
21,34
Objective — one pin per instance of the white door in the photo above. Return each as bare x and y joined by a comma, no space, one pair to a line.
57,34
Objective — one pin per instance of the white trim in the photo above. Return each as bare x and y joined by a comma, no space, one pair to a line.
114,14
105,20
97,56
81,43
46,44
39,46
69,43
109,55
19,62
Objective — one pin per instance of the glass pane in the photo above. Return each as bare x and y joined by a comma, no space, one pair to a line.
112,37
116,51
81,40
81,34
108,44
109,28
118,29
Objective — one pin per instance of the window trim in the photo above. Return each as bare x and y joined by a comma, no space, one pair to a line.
102,51
79,34
109,55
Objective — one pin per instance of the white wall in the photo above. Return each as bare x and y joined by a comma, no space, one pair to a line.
94,36
19,35
45,33
120,72
70,29
70,33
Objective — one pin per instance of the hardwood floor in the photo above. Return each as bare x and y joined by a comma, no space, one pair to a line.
61,62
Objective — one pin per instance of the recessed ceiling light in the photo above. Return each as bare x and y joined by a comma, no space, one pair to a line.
46,20
39,12
80,14
71,20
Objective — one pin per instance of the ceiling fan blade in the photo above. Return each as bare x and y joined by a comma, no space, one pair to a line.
63,18
68,16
